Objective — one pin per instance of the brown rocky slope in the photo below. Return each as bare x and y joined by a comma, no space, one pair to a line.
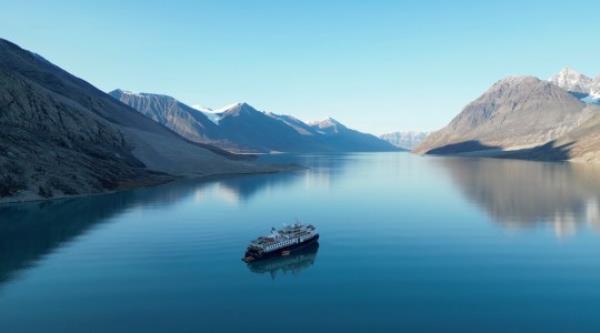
522,117
61,136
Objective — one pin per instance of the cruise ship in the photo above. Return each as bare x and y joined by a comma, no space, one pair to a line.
281,242
298,261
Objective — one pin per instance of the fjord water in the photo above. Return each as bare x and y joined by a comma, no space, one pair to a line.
423,244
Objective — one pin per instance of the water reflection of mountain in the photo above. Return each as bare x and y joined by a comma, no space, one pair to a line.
30,231
243,188
317,169
322,169
521,193
294,263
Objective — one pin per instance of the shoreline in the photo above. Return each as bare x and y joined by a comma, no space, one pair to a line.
168,179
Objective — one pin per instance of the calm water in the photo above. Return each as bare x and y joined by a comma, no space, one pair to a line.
408,243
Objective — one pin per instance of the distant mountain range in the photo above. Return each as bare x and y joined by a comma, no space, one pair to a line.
525,117
61,136
241,128
405,140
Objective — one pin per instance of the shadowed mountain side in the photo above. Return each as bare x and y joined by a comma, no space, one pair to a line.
50,146
523,194
462,147
62,136
550,151
578,95
249,129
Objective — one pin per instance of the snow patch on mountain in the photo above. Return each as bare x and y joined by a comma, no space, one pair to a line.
230,107
573,81
406,140
126,92
582,86
327,126
217,115
212,115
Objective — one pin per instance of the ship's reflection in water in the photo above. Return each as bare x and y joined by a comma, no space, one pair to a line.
524,194
293,264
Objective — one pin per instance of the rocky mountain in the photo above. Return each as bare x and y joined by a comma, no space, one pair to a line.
240,127
405,140
61,136
522,117
580,85
167,110
595,88
342,138
572,81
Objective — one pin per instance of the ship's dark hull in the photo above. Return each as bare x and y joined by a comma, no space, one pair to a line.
298,260
284,251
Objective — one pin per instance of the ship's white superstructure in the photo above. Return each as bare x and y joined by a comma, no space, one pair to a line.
287,236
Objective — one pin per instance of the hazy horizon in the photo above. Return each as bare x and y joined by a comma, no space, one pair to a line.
358,63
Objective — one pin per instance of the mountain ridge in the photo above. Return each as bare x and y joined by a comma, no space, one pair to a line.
521,117
242,128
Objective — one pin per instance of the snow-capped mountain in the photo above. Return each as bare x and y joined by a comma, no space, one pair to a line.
580,85
171,113
240,127
300,126
231,110
328,126
405,140
342,138
212,116
572,81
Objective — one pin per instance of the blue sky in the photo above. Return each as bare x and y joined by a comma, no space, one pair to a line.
377,66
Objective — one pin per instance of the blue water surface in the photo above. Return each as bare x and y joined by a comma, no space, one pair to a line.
408,243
